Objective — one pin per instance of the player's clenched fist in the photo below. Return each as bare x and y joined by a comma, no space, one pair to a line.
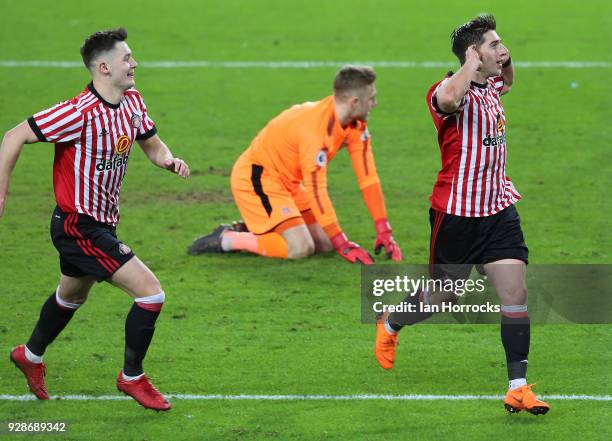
384,238
350,250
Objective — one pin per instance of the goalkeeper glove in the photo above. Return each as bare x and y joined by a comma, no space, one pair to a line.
350,250
384,238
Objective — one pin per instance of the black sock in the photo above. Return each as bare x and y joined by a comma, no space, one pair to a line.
397,320
515,335
139,329
53,319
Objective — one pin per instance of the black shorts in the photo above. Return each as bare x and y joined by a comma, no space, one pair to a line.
87,247
458,243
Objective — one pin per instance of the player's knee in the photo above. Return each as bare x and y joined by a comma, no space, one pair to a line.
299,249
153,303
520,294
153,286
515,295
74,299
79,300
148,286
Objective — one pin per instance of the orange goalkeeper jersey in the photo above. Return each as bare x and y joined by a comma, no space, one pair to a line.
296,146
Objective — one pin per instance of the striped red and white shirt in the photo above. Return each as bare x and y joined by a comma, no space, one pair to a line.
472,181
93,140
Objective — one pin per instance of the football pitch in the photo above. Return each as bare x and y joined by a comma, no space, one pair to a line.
254,348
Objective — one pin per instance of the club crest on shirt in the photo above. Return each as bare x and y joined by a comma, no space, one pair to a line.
321,158
136,120
124,249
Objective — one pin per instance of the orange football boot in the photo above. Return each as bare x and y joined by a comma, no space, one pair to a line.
524,399
384,345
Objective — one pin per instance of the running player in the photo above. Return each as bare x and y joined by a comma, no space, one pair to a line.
93,135
280,182
473,218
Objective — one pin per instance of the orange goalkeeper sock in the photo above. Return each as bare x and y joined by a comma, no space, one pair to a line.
272,245
269,244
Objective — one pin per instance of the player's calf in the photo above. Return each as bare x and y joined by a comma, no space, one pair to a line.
139,330
397,320
54,316
137,280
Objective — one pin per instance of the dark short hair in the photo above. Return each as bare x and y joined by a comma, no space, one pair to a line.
99,42
471,33
350,78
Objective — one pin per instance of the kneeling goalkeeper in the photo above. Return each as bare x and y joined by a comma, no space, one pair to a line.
280,182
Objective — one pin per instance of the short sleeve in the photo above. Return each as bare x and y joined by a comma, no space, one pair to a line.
498,83
432,101
60,123
146,126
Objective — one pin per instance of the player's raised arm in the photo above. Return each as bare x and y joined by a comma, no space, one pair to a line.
507,71
451,92
362,158
160,155
12,143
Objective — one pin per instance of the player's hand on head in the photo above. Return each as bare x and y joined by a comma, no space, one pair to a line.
178,166
473,57
350,250
505,53
384,239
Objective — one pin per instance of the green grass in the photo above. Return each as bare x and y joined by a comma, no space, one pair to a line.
326,421
242,324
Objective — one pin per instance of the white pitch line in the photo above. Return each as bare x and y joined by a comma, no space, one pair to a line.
313,64
363,397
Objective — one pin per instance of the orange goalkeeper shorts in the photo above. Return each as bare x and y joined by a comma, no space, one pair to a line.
264,202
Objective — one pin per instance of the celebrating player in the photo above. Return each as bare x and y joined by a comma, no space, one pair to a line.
280,182
473,218
93,135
